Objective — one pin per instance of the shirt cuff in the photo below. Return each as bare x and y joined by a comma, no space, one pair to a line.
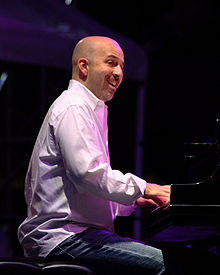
142,184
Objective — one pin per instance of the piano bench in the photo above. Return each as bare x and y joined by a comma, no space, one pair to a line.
65,268
23,266
11,266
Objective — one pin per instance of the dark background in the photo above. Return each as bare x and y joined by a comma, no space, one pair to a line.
181,40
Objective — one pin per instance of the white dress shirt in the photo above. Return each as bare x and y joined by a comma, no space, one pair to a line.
70,184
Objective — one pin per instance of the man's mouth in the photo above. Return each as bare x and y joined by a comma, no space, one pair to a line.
113,84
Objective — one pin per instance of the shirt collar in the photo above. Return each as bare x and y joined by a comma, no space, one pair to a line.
93,100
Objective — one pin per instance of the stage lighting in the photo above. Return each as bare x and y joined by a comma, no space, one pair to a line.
68,2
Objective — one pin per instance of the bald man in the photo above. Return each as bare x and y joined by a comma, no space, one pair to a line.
72,193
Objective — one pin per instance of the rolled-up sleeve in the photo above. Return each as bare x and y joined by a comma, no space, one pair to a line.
86,162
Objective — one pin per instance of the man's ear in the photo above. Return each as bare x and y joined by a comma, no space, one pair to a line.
83,68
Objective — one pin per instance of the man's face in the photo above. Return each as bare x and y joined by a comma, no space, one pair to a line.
106,70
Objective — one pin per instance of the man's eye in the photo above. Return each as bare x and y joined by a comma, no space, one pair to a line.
110,62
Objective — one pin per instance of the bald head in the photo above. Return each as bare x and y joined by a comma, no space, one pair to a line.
89,47
98,64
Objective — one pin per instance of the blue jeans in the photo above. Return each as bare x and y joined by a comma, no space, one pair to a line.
107,253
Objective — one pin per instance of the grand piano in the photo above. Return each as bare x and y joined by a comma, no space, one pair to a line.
192,218
189,226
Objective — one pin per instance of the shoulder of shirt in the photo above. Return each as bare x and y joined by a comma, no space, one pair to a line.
75,96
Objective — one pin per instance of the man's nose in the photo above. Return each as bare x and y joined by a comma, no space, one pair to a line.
118,72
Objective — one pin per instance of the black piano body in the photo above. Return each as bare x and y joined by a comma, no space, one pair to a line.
189,227
193,215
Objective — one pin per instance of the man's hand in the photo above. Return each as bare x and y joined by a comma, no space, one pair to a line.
154,195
